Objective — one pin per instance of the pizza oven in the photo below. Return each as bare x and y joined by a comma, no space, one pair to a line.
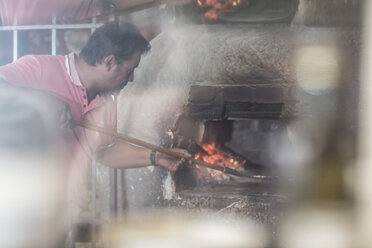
216,87
225,80
229,127
226,91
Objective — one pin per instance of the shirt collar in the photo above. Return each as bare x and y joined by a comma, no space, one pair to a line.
74,76
71,69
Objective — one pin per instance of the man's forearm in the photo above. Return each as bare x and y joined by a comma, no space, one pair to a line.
123,155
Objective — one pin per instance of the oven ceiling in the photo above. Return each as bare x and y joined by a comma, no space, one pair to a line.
258,11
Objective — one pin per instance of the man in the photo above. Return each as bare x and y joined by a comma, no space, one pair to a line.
89,84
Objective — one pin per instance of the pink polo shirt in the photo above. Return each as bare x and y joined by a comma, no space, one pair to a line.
58,76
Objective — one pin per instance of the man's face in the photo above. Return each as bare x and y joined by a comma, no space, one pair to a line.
120,74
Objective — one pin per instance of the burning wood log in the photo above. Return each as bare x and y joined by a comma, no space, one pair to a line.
213,155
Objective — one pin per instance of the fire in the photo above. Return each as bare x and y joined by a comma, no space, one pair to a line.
214,155
215,8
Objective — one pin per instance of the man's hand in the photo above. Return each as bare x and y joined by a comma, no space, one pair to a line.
169,162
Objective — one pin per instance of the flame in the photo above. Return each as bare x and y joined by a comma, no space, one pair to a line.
216,156
215,8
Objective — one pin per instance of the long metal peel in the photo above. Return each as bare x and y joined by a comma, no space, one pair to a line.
150,146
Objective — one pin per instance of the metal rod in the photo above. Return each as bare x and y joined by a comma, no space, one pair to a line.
54,37
80,220
132,9
51,26
112,17
94,20
15,41
155,147
113,193
94,177
93,198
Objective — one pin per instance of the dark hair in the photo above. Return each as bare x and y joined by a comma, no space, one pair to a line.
120,39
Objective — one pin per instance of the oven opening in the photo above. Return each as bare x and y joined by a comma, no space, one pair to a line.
244,146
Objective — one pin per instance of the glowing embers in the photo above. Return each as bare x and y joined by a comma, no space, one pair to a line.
214,8
211,154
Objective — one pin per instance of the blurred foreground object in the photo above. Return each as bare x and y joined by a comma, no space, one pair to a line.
32,169
364,161
317,227
181,230
321,179
31,203
30,122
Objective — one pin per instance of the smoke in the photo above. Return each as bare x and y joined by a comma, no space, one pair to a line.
189,55
150,106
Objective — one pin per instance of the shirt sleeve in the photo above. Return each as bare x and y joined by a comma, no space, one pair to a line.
25,72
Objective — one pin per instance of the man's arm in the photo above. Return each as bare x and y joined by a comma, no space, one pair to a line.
123,155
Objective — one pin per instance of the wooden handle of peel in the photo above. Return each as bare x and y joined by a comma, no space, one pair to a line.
130,139
153,147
